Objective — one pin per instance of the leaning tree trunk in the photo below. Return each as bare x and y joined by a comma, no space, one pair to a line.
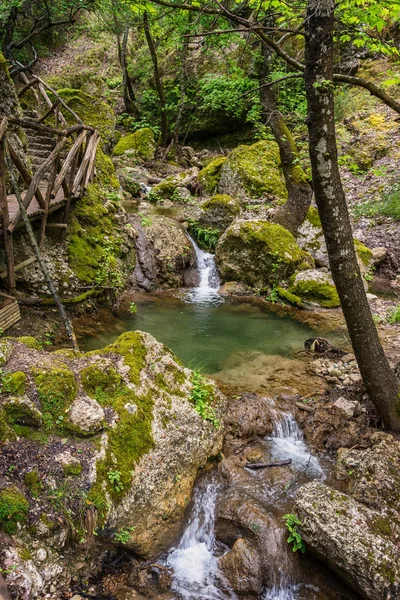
158,80
127,87
292,214
378,378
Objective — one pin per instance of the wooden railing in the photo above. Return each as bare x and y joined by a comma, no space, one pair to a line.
71,173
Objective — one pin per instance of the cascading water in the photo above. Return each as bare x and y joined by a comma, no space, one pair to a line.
207,290
287,442
194,561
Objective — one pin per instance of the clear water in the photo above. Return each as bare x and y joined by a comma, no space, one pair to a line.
206,335
207,290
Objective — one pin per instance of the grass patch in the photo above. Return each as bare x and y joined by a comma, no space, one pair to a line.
388,206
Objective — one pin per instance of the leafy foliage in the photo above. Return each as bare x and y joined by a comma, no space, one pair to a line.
293,523
202,397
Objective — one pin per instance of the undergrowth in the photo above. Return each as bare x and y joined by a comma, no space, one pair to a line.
388,206
202,397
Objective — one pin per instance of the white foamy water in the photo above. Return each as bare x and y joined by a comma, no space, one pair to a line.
207,290
287,442
194,562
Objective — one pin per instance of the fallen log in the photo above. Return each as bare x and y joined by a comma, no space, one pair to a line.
256,466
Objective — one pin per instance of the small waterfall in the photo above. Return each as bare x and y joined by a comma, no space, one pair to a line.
287,441
195,564
207,290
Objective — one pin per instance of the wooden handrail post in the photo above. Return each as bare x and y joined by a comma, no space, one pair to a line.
66,320
8,239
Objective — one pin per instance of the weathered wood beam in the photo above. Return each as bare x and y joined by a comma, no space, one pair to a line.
3,127
19,267
26,176
68,162
51,110
8,241
36,180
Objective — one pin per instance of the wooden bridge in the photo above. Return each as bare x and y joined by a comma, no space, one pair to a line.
62,159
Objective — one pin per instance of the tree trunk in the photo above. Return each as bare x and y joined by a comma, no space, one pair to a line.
183,82
292,214
158,80
127,88
379,379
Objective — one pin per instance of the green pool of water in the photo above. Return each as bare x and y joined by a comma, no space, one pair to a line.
205,335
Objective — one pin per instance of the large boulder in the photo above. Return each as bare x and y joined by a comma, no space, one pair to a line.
242,568
129,481
253,172
310,238
210,175
259,253
219,212
93,111
316,287
177,187
137,146
359,543
172,253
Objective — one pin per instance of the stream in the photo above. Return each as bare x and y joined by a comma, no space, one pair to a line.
204,329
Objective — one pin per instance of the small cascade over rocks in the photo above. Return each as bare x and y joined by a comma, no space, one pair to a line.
207,290
195,560
287,442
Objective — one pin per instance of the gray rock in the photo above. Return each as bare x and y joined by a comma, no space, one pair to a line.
23,411
242,568
346,406
352,539
86,415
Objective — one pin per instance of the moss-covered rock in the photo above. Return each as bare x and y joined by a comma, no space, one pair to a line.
175,187
56,389
139,144
259,253
310,238
210,175
13,508
5,352
94,242
31,342
253,172
92,111
22,411
219,212
316,287
136,473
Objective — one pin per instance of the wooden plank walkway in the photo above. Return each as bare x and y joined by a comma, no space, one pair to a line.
34,211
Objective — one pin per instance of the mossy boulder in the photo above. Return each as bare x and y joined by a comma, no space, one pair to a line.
22,411
133,470
139,145
97,250
253,172
259,253
219,212
92,111
175,187
210,175
316,287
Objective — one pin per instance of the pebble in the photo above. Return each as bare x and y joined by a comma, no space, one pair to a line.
41,554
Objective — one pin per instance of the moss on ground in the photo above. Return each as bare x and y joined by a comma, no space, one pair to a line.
13,509
33,483
288,297
13,383
313,217
30,342
209,176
